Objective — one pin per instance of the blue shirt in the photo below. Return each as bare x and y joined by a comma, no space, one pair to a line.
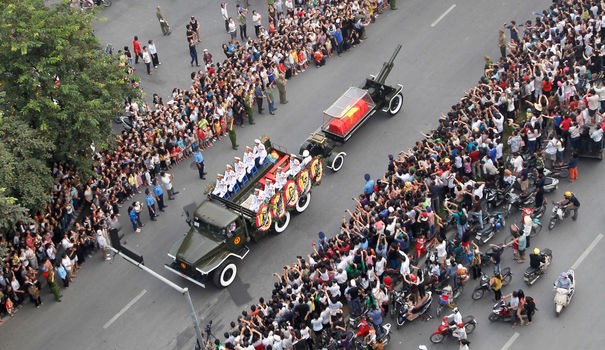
368,188
149,200
133,215
158,191
197,155
338,36
376,316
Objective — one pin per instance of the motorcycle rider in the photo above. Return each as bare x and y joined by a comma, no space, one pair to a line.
460,331
563,281
537,260
455,318
513,304
570,202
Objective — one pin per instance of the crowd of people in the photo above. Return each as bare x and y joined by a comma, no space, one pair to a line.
81,211
545,90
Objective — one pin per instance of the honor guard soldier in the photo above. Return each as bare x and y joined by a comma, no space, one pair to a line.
240,169
230,177
221,186
260,153
249,159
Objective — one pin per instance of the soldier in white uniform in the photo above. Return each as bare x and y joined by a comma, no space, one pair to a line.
280,178
230,177
294,166
306,158
240,169
256,200
248,159
220,189
260,153
269,189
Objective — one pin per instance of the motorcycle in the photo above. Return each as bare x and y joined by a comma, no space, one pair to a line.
520,201
502,312
558,171
456,292
483,286
444,330
550,184
562,295
558,214
495,197
517,229
531,275
365,338
495,222
402,316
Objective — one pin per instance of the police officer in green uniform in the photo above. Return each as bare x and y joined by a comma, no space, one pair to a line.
232,135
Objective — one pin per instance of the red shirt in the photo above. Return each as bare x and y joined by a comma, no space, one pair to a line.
136,47
565,124
474,156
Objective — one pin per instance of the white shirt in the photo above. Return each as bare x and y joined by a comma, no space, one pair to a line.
260,152
221,188
167,181
240,170
280,179
518,164
249,161
224,12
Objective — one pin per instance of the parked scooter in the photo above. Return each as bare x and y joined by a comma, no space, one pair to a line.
562,295
444,330
559,171
531,275
495,197
483,286
495,222
408,305
520,201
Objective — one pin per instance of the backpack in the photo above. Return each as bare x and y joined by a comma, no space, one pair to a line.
463,219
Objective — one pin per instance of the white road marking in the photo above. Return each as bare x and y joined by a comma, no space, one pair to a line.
510,341
125,308
443,15
587,251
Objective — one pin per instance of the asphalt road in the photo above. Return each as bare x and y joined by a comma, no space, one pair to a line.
441,58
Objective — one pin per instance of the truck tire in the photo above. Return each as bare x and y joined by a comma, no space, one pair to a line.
395,104
337,162
303,202
282,224
225,274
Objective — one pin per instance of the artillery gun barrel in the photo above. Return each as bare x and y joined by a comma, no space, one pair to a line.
387,66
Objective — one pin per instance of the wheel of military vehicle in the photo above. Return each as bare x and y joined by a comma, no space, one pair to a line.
225,274
282,224
395,104
303,202
337,162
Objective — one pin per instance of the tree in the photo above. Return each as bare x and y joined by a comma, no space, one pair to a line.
57,78
24,158
11,213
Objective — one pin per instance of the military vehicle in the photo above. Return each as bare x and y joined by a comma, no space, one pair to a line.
222,227
350,112
587,147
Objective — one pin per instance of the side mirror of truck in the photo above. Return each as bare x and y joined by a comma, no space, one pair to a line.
189,210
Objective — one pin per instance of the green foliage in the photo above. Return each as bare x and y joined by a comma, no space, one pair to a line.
58,95
45,44
11,213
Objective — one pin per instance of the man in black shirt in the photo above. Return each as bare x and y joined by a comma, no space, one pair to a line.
536,259
495,257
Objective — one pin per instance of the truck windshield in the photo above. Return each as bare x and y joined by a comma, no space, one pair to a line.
215,232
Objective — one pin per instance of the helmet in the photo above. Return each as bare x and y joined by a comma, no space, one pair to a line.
536,251
413,277
567,194
460,324
563,274
455,310
498,225
527,210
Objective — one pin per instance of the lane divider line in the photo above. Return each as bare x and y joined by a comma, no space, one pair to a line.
587,251
510,342
443,15
124,309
